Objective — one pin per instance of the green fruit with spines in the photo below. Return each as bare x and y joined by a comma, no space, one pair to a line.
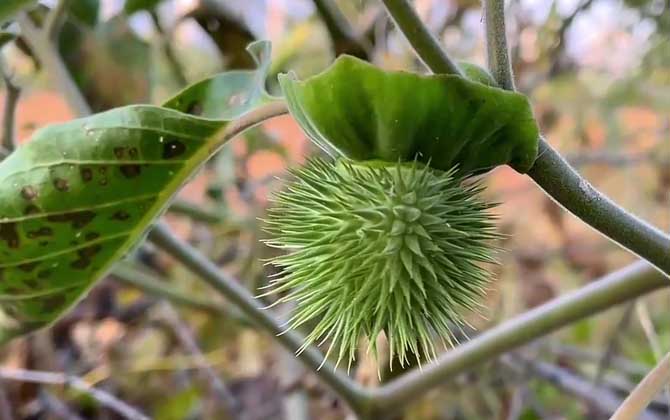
400,248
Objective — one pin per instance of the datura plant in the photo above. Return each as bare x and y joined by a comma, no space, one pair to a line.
390,234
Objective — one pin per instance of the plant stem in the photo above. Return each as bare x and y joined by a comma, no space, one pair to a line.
55,19
195,212
558,179
223,396
496,40
551,172
52,378
645,391
602,398
424,43
170,55
351,392
628,283
345,41
127,274
12,94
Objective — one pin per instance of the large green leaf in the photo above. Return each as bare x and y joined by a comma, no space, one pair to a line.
9,7
80,194
362,112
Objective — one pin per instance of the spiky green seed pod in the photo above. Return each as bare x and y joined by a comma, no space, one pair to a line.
373,246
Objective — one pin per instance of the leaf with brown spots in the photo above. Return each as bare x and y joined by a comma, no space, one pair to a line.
81,194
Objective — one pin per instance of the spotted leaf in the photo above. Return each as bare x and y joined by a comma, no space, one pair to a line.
79,195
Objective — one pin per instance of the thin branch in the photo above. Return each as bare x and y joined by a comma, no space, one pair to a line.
622,364
222,394
168,51
557,50
351,392
639,399
424,43
54,21
12,94
345,41
605,400
48,55
51,378
628,283
5,406
613,344
56,407
496,40
195,212
652,336
126,273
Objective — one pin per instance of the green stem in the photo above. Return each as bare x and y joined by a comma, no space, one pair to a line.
129,275
195,212
170,55
551,172
424,43
350,391
623,285
345,41
496,40
558,179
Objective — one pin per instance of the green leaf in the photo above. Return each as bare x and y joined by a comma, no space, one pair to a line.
9,7
133,6
360,111
81,194
221,97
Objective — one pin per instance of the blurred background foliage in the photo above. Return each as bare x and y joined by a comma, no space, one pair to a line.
598,74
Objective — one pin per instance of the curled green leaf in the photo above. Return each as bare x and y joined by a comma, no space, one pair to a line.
359,111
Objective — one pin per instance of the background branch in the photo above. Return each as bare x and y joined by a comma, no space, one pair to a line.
225,399
173,62
645,391
424,43
605,400
12,95
345,40
52,378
